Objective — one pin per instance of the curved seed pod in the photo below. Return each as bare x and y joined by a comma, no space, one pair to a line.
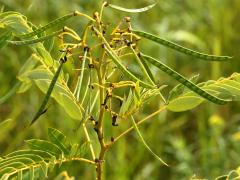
33,41
132,10
48,26
118,63
180,48
184,81
42,108
144,67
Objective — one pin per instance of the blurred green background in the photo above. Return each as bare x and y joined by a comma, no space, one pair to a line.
203,142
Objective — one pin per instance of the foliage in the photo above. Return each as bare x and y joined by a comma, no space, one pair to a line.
93,82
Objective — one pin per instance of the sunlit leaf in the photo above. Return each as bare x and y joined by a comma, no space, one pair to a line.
43,145
58,138
225,87
70,106
184,103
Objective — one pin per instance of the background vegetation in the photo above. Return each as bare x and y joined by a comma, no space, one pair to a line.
203,142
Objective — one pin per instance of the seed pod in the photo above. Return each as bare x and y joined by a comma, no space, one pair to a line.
180,48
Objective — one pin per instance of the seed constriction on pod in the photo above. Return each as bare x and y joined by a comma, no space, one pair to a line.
33,41
190,85
180,48
48,26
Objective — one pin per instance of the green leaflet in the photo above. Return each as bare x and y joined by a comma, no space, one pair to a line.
144,143
33,41
37,144
59,139
15,22
180,48
21,166
132,10
49,91
4,38
38,153
48,26
184,103
184,81
29,64
36,162
63,97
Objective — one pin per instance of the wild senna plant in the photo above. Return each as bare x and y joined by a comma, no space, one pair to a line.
98,55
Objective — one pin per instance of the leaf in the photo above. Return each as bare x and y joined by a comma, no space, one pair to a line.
52,163
4,38
70,106
43,170
132,10
60,93
74,150
18,24
43,154
59,139
19,176
27,67
184,103
44,54
144,143
127,103
38,161
190,85
31,173
14,22
147,94
226,87
136,94
25,85
43,145
49,44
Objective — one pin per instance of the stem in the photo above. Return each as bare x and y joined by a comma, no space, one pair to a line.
99,125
